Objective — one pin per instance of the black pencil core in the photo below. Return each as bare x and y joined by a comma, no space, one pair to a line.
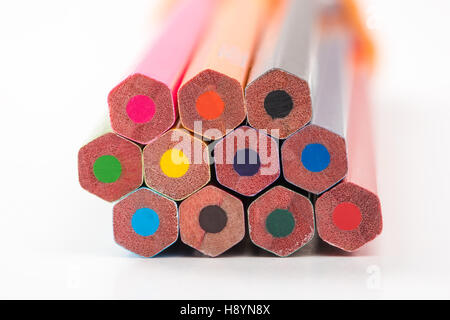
212,219
278,104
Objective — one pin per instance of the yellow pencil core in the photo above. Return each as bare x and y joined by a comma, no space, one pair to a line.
174,163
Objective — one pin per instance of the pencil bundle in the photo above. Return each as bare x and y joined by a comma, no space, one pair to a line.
243,114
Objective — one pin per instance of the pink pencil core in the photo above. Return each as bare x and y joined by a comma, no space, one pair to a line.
347,216
141,109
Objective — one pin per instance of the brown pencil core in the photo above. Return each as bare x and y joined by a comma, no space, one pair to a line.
213,219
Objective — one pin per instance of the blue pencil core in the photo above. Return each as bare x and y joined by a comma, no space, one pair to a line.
315,157
145,222
246,162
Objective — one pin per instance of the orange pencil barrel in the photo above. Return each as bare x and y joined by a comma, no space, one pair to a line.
211,99
365,52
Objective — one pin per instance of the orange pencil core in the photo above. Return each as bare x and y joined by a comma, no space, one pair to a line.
209,105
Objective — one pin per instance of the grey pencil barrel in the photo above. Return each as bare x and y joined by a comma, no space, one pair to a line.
296,43
331,83
278,94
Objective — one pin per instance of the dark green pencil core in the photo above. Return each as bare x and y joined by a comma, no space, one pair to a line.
280,223
107,169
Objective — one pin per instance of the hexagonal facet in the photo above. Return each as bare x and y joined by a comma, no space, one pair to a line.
280,101
211,103
247,161
281,221
176,164
348,216
110,167
141,108
212,221
314,159
145,222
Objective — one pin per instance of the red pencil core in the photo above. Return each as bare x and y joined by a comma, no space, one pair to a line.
209,105
140,109
347,216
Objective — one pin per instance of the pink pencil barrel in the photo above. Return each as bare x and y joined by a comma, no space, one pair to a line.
143,106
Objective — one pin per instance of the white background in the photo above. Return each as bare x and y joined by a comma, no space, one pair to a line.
59,59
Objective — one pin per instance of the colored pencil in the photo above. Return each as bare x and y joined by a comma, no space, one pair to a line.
278,94
145,222
142,106
212,221
315,157
247,161
176,164
110,167
211,99
281,221
349,215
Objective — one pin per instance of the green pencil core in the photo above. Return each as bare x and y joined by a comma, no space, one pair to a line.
280,223
107,169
